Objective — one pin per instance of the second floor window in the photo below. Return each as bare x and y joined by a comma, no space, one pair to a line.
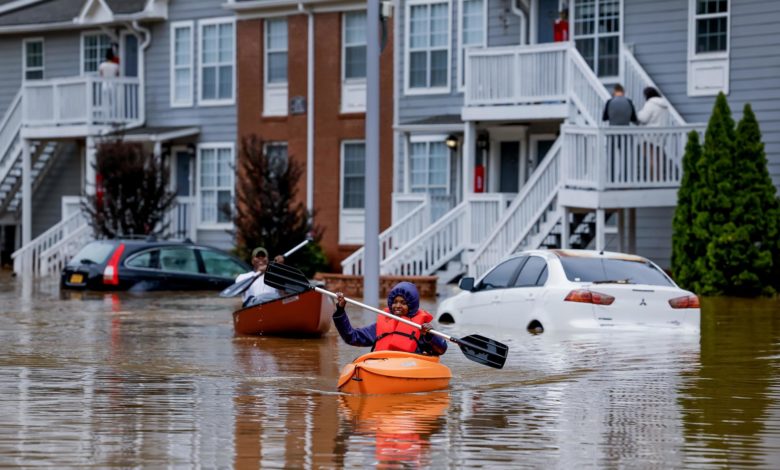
353,194
276,51
33,59
712,23
428,53
217,62
181,64
355,45
597,35
93,51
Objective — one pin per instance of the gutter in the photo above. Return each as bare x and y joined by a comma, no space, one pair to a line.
142,65
309,107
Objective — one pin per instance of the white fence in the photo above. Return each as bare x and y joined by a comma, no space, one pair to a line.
82,101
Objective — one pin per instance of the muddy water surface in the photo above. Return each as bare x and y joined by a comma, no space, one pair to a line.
160,380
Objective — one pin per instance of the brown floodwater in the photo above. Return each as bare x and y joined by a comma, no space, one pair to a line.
159,380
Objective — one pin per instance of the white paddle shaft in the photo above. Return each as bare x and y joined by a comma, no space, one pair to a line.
297,247
382,312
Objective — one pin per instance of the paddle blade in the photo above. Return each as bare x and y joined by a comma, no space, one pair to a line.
286,278
483,350
237,288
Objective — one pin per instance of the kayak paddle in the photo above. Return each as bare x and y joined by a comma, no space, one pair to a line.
478,348
240,287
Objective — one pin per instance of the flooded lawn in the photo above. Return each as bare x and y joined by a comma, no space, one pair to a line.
153,380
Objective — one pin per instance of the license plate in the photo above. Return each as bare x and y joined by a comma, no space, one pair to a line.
76,278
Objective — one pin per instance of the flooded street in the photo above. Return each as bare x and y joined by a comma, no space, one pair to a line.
153,380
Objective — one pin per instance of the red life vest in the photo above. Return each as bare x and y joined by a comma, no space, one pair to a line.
393,335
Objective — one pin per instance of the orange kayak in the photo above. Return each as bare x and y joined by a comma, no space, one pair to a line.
305,314
385,372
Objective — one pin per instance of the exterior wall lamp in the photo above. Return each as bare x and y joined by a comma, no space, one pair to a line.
451,141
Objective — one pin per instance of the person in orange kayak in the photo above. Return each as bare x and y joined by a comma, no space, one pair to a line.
391,335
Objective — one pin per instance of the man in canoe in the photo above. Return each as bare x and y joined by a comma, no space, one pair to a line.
391,335
259,292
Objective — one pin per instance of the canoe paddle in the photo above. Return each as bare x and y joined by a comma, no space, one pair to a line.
239,287
478,348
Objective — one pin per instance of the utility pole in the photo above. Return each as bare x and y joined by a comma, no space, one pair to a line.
371,260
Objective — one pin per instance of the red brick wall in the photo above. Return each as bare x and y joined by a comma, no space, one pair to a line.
330,126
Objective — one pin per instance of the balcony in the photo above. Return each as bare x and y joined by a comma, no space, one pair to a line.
78,106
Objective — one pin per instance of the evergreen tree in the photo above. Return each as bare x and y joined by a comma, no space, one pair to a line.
686,248
268,213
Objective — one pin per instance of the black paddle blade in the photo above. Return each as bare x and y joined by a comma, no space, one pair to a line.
286,278
483,350
237,288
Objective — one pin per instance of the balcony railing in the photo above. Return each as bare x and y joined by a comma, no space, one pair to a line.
82,101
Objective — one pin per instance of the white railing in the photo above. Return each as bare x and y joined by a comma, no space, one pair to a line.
461,228
9,136
522,215
396,236
404,203
624,157
37,256
180,218
82,101
516,75
636,79
587,92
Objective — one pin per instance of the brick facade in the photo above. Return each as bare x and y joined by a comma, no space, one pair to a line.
330,126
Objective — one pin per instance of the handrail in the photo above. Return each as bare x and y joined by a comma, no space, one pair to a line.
10,127
27,258
591,109
534,197
636,92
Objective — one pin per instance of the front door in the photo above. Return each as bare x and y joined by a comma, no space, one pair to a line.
183,181
129,55
509,167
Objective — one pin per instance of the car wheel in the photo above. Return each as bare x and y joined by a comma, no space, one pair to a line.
535,327
446,319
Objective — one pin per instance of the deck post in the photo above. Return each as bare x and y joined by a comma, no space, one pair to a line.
565,228
469,160
26,193
600,224
91,160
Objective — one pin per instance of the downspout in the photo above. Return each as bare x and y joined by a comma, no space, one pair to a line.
309,108
142,68
520,9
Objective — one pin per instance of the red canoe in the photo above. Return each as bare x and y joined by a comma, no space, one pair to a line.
306,314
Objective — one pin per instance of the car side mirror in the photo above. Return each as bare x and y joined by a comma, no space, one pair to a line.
466,283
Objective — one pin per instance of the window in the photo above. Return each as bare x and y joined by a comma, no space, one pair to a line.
708,47
178,260
217,60
429,167
626,271
427,57
502,275
275,76
531,272
472,32
93,51
145,260
277,156
33,59
597,35
353,59
216,183
353,175
220,265
182,52
712,21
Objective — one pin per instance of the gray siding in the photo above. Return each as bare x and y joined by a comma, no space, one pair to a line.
654,234
503,28
217,123
658,29
62,179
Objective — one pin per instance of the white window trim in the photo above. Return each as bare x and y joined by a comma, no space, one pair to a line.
172,71
199,215
85,34
707,59
343,146
461,53
611,79
350,85
25,68
408,90
276,88
216,102
426,138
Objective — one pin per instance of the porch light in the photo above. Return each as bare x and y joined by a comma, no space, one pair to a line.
451,141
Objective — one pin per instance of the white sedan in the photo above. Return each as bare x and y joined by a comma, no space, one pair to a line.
548,290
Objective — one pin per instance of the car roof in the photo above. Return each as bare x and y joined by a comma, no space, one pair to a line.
570,253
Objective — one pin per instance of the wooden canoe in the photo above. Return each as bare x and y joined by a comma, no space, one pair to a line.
305,314
386,372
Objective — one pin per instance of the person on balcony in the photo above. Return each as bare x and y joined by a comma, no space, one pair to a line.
619,110
109,68
561,26
655,112
392,335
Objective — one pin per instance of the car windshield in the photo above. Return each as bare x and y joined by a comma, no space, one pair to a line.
93,253
611,270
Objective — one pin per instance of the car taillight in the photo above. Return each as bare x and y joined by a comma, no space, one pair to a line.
589,297
111,272
686,301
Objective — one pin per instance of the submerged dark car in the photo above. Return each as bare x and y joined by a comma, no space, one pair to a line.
150,265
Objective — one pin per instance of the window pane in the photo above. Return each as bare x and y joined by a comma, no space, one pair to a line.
226,82
208,168
585,46
277,34
418,27
182,46
143,260
704,7
182,89
277,67
472,22
711,34
226,43
209,83
581,269
439,26
210,44
355,27
530,272
355,62
224,203
439,65
502,274
609,56
33,74
178,260
418,70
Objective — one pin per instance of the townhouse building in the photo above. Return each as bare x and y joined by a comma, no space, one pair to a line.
499,141
176,95
302,83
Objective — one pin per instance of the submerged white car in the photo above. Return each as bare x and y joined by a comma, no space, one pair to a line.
548,290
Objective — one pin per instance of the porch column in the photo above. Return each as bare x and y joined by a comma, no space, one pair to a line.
600,223
632,230
621,230
469,159
565,229
26,193
91,159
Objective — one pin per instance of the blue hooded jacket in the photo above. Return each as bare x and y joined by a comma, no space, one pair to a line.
366,336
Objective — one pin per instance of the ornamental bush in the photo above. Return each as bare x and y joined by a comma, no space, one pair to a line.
685,247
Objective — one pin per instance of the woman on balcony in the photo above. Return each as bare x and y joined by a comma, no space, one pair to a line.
655,113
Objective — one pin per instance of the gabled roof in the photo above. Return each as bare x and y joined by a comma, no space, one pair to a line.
41,15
